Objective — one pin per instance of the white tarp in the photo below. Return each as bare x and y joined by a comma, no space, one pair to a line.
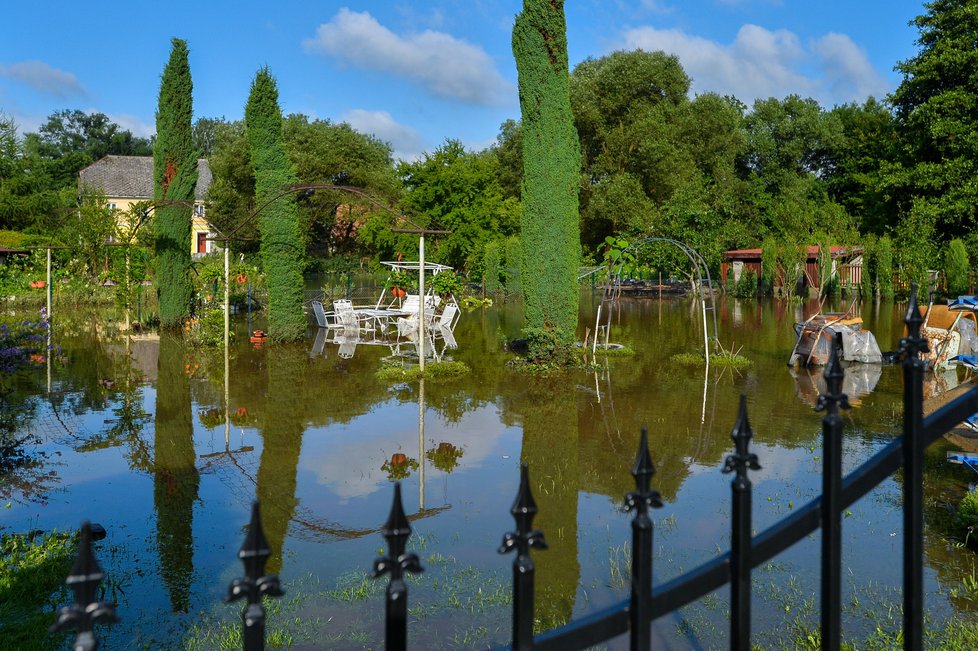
860,346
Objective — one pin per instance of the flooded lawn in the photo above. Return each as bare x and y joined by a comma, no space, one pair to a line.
134,436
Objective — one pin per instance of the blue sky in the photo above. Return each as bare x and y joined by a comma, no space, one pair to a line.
416,73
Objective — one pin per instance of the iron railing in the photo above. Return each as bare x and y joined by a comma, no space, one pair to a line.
634,616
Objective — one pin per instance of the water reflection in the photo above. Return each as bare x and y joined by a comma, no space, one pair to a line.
175,480
551,448
315,430
281,430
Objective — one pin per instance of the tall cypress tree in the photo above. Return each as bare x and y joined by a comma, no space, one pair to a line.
174,182
551,164
282,242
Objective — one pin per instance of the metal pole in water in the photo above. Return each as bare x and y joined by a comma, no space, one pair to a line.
421,443
49,289
421,334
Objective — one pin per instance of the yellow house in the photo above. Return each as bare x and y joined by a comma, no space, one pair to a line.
125,180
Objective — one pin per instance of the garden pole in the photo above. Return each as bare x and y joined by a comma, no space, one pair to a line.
227,302
423,301
49,290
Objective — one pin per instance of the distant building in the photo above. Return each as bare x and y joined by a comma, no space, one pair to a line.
125,180
847,264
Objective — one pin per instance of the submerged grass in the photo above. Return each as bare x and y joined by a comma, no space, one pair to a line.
433,372
33,569
724,358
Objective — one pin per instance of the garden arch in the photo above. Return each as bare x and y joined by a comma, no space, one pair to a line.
612,292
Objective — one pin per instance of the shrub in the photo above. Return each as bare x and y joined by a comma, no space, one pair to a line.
746,287
956,267
884,266
967,516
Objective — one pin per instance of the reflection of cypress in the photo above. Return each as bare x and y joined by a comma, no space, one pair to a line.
550,447
176,479
282,440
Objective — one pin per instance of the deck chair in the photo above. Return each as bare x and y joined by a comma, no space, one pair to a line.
347,319
320,314
445,327
411,303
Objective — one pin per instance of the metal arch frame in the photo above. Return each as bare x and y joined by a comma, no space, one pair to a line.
698,263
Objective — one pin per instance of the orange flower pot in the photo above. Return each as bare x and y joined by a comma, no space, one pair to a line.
242,279
398,459
39,284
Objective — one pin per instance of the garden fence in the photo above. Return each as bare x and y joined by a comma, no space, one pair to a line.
634,616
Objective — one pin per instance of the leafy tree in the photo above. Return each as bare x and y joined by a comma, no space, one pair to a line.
884,266
205,134
174,181
459,191
70,132
957,267
551,155
937,118
232,193
917,251
32,195
86,233
508,149
321,152
857,168
282,244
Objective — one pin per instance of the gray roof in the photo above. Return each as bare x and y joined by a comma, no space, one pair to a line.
131,177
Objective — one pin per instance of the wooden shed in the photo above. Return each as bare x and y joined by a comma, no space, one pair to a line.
846,262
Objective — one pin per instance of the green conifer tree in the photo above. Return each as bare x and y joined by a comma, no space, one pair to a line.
174,182
282,242
551,164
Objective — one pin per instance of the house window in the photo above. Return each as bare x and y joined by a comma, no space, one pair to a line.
110,205
198,209
202,242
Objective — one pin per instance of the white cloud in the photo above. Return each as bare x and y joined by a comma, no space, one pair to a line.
132,123
43,78
438,62
761,63
407,142
846,68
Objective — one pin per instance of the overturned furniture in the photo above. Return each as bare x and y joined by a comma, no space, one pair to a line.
816,337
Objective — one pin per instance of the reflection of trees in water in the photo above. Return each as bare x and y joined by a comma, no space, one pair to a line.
551,448
176,479
281,430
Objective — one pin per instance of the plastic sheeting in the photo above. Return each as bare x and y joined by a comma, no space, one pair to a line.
969,337
860,346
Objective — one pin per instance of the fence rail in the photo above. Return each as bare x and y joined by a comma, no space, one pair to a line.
635,615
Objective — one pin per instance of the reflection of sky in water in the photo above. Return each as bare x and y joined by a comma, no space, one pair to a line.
347,459
341,496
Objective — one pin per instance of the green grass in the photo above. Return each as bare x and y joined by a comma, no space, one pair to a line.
724,358
33,569
433,372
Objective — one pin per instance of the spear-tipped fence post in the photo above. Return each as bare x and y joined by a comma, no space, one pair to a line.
86,575
640,501
522,540
740,536
913,479
254,585
396,531
832,436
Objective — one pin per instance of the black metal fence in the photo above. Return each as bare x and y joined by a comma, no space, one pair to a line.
635,615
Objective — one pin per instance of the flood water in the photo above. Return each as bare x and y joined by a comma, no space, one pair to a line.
133,434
